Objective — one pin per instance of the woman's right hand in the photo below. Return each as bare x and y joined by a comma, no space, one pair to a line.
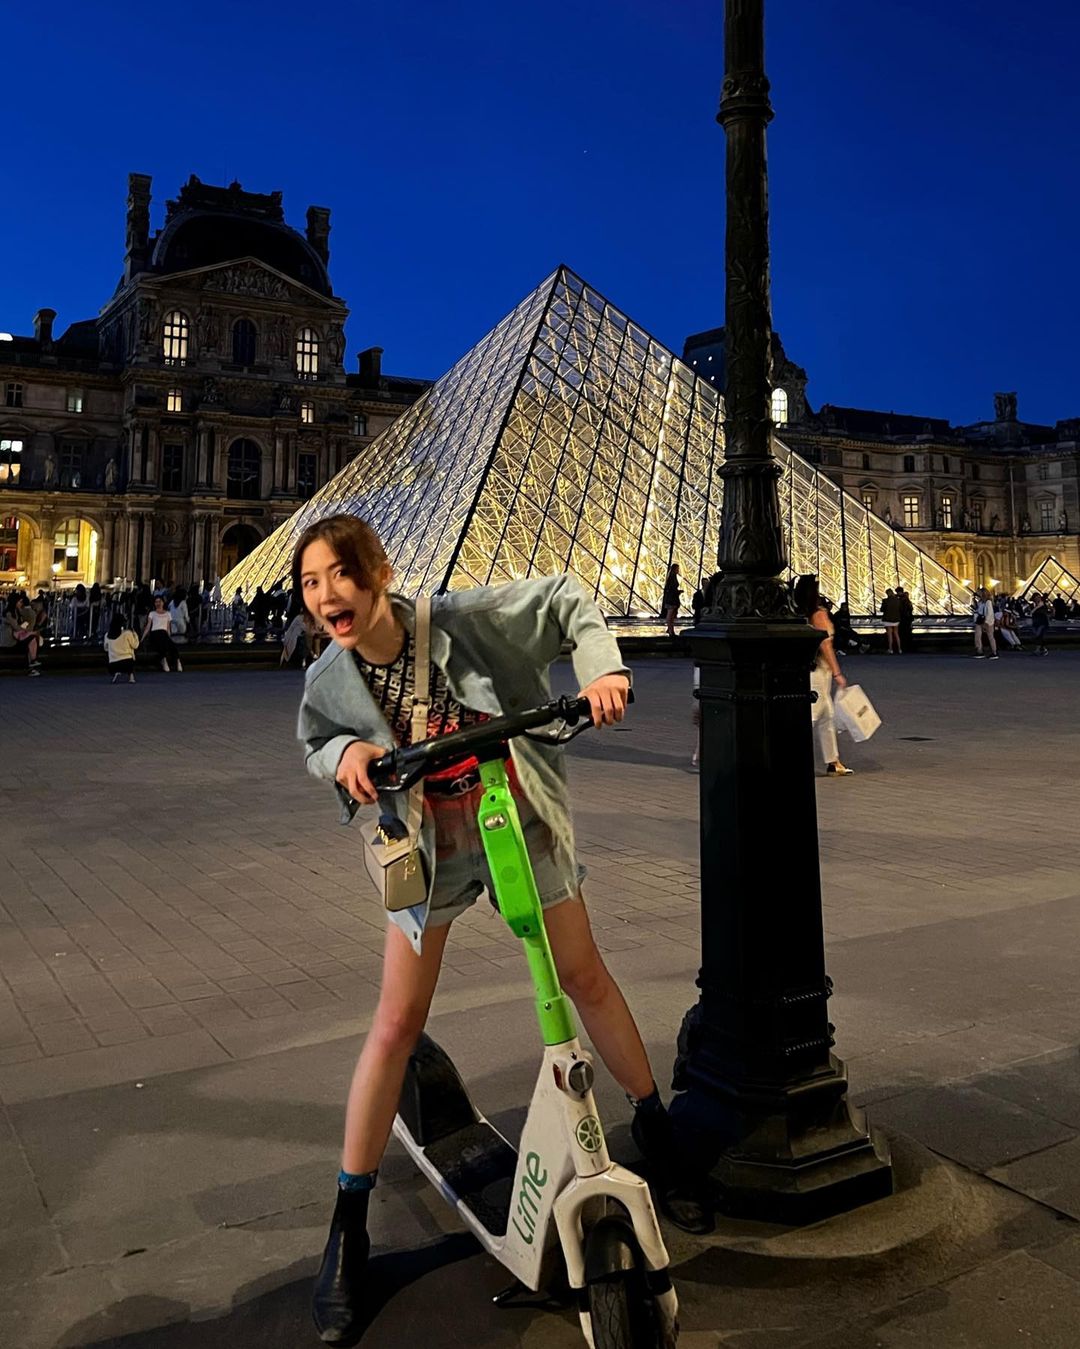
352,770
840,681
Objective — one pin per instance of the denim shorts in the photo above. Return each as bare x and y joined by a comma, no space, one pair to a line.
461,869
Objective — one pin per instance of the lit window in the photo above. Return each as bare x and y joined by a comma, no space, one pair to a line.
911,512
174,338
307,353
868,501
66,547
1046,516
174,400
307,413
779,406
909,463
10,460
13,395
74,400
9,543
305,475
359,424
946,512
172,467
243,342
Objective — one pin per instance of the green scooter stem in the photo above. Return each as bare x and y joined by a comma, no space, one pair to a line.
519,903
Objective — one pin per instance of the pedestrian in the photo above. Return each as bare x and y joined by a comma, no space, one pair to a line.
983,614
1040,624
157,636
1005,625
178,613
1061,609
17,630
239,614
670,602
891,611
907,620
121,643
94,600
698,602
490,651
825,673
845,638
80,613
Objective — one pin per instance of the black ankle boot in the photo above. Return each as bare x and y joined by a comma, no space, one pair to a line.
681,1198
338,1305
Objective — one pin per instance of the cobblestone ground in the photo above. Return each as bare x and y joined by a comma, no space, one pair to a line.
176,891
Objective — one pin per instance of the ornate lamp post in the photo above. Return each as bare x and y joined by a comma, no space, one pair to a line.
763,1099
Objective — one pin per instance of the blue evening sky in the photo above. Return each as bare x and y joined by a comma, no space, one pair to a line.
923,159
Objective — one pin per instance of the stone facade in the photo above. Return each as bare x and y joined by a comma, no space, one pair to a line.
990,501
209,398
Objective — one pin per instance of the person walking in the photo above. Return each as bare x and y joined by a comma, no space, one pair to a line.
891,612
17,630
121,643
825,673
670,602
490,649
1040,624
983,614
157,635
907,620
239,612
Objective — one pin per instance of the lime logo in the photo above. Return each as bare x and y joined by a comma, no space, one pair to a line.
589,1134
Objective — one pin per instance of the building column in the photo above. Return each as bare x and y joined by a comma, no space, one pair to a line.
278,483
148,546
198,548
105,552
202,460
42,551
153,455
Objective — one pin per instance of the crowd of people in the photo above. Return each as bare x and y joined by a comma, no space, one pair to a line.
156,620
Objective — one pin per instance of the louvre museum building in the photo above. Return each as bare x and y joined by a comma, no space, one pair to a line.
195,426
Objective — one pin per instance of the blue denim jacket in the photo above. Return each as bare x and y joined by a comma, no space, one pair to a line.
495,646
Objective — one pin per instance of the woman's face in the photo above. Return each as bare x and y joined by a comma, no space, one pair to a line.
333,598
159,605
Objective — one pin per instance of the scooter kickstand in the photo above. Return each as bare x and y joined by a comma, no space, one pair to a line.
517,1295
508,1295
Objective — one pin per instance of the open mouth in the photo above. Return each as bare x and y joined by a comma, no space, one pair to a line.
341,621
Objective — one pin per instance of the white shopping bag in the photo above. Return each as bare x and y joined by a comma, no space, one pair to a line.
855,713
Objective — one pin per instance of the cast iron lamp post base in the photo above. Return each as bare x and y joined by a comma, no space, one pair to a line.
762,1105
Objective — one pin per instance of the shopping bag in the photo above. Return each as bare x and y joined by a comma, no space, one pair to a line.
855,713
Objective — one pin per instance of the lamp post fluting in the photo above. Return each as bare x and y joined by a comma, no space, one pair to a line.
762,1100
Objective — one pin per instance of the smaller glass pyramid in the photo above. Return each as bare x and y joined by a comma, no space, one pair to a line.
569,440
1052,580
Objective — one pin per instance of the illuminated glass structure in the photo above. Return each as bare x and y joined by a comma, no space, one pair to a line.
1052,580
570,440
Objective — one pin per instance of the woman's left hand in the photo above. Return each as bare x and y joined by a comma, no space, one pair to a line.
607,697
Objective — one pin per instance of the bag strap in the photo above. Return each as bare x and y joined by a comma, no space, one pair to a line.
420,705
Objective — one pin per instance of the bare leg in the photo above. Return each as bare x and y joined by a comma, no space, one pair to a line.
408,985
597,997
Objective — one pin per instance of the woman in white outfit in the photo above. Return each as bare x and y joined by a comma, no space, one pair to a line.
826,671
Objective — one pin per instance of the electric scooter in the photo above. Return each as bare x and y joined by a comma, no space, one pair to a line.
560,1188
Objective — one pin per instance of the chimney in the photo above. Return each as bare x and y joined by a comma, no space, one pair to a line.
137,242
43,322
318,231
371,365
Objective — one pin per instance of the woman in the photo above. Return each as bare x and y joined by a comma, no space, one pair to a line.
178,613
892,611
120,647
17,630
825,673
983,614
670,602
490,651
156,635
80,611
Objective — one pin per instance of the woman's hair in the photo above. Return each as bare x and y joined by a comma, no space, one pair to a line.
354,543
80,591
673,570
160,599
116,625
11,606
806,595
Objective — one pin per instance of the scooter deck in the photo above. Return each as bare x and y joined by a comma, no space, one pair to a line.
478,1165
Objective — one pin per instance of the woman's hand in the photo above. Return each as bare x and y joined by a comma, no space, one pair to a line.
607,697
352,770
841,682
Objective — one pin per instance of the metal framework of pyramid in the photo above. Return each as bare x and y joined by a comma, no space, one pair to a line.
570,440
1051,579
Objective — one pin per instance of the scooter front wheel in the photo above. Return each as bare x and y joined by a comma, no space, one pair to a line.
622,1310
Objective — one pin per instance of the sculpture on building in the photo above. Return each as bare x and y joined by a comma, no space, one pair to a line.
211,390
209,329
335,344
1005,407
995,520
112,472
48,471
147,315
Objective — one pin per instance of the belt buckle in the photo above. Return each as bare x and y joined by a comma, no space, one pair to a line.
463,785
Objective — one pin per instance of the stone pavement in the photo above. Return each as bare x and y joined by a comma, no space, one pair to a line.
185,972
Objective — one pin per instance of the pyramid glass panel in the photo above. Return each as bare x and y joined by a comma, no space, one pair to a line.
568,439
1052,580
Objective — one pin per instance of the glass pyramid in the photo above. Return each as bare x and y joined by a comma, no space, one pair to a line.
570,440
1051,579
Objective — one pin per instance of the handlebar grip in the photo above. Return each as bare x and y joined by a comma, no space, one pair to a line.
384,770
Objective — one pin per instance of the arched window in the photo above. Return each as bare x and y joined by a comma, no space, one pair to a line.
174,338
66,546
307,354
779,406
245,462
243,342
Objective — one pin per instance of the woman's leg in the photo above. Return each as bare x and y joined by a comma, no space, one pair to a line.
408,985
600,1004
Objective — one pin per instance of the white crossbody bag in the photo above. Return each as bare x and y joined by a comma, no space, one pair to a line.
395,865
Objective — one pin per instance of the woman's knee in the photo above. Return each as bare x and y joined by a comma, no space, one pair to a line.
587,981
397,1027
